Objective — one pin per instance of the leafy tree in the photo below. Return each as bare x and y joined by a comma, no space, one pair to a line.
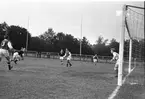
99,40
17,35
59,41
114,44
100,47
48,36
37,44
52,42
86,47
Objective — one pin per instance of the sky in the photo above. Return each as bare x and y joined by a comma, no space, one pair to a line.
98,17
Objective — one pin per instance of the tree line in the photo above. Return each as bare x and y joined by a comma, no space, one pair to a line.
50,41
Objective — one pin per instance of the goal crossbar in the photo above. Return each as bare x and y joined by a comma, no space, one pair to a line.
135,6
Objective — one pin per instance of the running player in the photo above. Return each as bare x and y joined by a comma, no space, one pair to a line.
4,50
68,56
18,55
95,59
21,53
115,58
61,54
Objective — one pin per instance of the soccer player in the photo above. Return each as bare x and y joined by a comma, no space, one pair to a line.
68,56
4,50
18,55
61,54
115,58
95,59
21,53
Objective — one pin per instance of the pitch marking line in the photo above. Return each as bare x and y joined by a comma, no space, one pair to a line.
114,93
128,75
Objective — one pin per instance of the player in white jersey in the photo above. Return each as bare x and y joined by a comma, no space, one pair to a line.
4,50
115,58
95,59
61,54
18,55
68,56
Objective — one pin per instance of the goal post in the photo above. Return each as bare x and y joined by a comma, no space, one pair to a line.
121,48
130,55
131,48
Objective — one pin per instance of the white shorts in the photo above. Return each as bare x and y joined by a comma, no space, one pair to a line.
61,58
4,53
16,56
23,55
117,62
69,58
95,60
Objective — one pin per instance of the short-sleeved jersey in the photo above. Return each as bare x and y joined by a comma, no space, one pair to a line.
23,49
95,57
115,56
4,44
21,52
67,54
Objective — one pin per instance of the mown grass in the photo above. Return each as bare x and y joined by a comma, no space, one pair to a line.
36,78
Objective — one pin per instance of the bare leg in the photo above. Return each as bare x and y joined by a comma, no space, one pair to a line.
68,63
9,63
116,70
61,62
95,63
15,60
0,59
22,57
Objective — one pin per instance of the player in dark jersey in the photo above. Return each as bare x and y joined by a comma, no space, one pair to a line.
21,53
4,50
95,59
61,54
68,56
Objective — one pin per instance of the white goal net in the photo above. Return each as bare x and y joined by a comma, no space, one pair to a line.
133,45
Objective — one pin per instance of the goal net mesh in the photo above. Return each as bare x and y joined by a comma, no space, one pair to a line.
134,45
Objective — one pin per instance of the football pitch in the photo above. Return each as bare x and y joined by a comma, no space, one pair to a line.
37,78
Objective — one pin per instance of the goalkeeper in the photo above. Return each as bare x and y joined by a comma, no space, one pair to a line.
115,58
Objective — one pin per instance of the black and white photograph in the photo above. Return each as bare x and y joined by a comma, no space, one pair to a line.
72,49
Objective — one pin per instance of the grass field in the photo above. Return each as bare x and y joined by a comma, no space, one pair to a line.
36,78
134,87
128,91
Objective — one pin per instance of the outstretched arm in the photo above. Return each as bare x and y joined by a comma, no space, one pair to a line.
69,54
10,46
97,57
64,55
